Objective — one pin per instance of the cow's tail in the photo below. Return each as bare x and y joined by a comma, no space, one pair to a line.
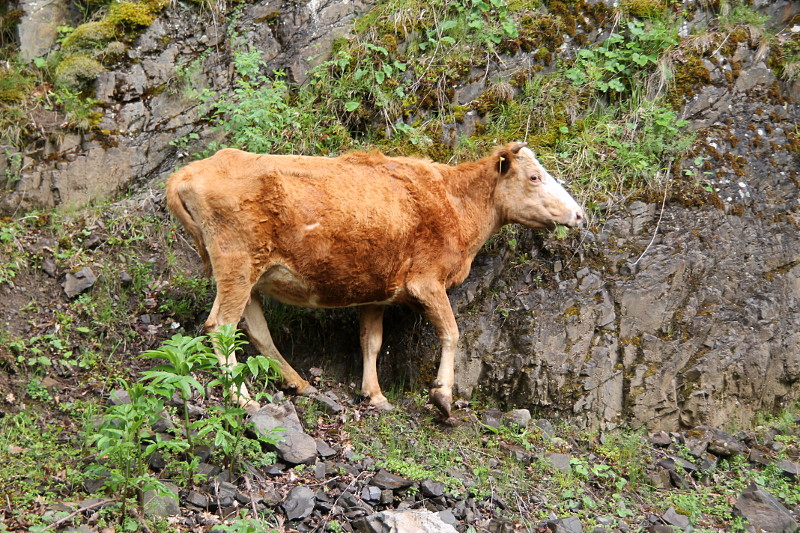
178,209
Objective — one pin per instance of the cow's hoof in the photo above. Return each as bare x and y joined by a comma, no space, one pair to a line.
442,400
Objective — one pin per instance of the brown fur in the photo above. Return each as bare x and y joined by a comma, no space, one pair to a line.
359,229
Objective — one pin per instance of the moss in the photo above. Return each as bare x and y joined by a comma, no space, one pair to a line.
691,75
643,9
77,71
89,37
130,15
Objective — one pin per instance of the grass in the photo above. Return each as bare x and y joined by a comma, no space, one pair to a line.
611,474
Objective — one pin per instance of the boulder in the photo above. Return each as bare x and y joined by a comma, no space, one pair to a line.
403,521
763,511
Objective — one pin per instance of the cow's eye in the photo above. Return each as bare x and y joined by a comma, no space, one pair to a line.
535,178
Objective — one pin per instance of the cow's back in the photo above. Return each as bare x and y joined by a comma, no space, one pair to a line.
348,229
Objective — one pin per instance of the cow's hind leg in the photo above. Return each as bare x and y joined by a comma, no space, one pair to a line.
233,292
258,331
436,307
371,320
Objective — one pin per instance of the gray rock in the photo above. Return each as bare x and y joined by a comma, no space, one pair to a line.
161,506
271,417
296,448
517,417
78,282
38,29
570,524
548,431
763,512
676,519
560,462
299,503
119,397
386,480
660,439
403,521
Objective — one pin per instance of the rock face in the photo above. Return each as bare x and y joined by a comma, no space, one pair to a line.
144,110
38,28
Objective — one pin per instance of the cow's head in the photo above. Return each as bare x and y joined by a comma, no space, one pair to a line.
526,193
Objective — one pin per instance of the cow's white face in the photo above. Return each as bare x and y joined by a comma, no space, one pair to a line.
526,193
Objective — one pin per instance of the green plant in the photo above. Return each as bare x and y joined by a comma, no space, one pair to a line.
124,440
618,63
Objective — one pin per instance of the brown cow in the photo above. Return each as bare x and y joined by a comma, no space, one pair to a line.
358,229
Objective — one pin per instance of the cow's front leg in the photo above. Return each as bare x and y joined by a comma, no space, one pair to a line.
371,326
437,309
257,329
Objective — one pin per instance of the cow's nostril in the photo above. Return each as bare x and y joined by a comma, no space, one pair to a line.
579,217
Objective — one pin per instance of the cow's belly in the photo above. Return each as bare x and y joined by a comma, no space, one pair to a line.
283,284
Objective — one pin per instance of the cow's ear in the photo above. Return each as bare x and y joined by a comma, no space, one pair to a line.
504,162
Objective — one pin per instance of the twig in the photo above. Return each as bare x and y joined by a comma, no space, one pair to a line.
82,509
141,521
249,488
658,223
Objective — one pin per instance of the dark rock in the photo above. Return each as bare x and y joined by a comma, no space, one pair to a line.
447,517
431,489
789,468
660,528
49,267
718,442
327,404
760,455
323,449
197,499
660,439
387,496
119,397
676,519
386,480
203,452
207,470
271,417
156,461
371,493
299,503
492,418
763,511
678,481
672,462
125,279
78,282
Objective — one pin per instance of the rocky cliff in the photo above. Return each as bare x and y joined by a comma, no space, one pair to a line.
673,310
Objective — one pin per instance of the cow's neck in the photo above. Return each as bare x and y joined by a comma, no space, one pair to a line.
471,187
